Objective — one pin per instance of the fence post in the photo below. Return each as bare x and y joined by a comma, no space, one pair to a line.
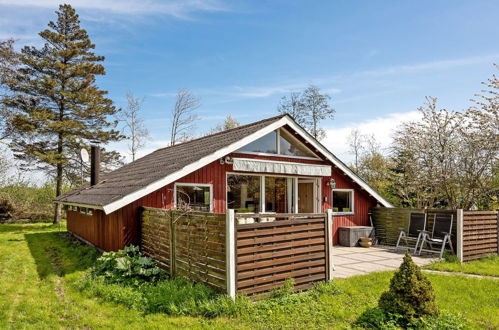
329,242
230,252
172,242
459,233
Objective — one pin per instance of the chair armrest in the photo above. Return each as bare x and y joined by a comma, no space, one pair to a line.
424,231
401,229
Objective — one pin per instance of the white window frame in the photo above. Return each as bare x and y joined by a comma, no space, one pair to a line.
278,148
209,185
352,198
315,180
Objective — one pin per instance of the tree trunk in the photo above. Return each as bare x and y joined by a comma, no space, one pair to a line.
58,191
58,183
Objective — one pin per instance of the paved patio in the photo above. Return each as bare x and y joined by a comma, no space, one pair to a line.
351,261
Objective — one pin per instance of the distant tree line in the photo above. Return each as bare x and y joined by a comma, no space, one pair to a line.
448,159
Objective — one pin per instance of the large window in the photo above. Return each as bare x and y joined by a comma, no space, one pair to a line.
343,200
279,142
195,197
243,193
278,194
270,194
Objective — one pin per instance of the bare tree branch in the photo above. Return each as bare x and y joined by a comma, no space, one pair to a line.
183,116
134,128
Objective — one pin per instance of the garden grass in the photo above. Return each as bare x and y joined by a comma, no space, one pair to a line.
486,266
39,265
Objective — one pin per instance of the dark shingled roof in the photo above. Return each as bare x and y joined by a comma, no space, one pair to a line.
157,165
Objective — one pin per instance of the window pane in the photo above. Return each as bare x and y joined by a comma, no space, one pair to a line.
265,144
289,147
276,195
243,193
193,197
342,201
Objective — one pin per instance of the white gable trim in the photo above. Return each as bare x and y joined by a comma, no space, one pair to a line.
286,120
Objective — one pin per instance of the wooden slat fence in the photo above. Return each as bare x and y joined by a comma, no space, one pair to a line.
387,222
480,234
290,246
189,244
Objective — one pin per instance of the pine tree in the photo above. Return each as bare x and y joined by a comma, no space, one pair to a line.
411,294
55,105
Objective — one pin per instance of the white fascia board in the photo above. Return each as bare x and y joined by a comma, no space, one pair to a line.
111,207
95,207
336,161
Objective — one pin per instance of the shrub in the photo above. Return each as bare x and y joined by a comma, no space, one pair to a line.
128,266
28,202
410,294
377,318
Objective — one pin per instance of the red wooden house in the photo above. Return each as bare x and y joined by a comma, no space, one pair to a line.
270,166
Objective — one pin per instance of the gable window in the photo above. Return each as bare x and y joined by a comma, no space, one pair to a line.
343,201
278,142
266,144
289,146
197,197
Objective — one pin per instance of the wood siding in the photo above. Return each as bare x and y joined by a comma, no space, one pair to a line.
122,226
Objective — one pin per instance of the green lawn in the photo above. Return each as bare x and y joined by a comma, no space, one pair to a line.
38,266
485,266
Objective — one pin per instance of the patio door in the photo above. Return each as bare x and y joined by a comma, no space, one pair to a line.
307,196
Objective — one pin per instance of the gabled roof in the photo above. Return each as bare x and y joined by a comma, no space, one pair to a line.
166,165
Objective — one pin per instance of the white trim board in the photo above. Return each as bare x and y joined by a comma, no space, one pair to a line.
286,120
95,207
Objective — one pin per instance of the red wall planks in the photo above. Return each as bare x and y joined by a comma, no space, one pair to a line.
121,227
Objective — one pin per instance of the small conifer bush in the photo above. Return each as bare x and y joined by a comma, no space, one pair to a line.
410,294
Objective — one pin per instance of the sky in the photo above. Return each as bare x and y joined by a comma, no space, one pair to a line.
376,59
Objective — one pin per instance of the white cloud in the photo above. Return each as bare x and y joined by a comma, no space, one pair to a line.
23,19
382,128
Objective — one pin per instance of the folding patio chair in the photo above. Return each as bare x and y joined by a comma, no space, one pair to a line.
414,233
439,236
